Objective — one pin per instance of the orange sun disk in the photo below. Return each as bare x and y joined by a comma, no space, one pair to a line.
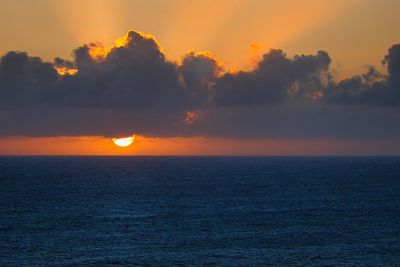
124,142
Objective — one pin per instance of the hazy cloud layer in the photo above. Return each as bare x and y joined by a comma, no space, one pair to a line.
132,87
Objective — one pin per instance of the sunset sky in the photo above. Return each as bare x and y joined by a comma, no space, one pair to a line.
199,77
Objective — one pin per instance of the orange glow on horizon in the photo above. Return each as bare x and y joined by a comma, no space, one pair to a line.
94,145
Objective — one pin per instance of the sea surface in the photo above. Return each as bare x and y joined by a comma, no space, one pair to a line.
200,211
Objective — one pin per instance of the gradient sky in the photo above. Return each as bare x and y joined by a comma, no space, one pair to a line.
355,33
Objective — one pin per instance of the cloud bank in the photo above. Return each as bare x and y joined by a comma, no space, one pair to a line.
132,87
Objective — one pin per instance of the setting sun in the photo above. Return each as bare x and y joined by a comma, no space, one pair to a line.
124,142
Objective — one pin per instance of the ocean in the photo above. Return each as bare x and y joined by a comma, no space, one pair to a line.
200,211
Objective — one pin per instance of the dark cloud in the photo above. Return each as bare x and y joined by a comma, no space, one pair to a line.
25,81
370,88
133,87
136,76
276,78
199,72
393,62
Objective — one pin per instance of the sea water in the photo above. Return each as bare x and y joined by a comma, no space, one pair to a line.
200,211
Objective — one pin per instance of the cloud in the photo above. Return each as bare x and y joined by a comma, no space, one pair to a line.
135,76
199,72
133,87
371,88
25,81
275,79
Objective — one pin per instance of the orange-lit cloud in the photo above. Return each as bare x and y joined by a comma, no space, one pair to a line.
98,51
65,70
191,117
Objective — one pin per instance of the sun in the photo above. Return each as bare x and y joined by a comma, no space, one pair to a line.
124,142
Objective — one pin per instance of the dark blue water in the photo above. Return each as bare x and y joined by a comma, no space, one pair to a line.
161,211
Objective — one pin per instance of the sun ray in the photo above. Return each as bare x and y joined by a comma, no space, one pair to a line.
97,19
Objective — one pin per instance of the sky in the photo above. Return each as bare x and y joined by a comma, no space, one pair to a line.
237,77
